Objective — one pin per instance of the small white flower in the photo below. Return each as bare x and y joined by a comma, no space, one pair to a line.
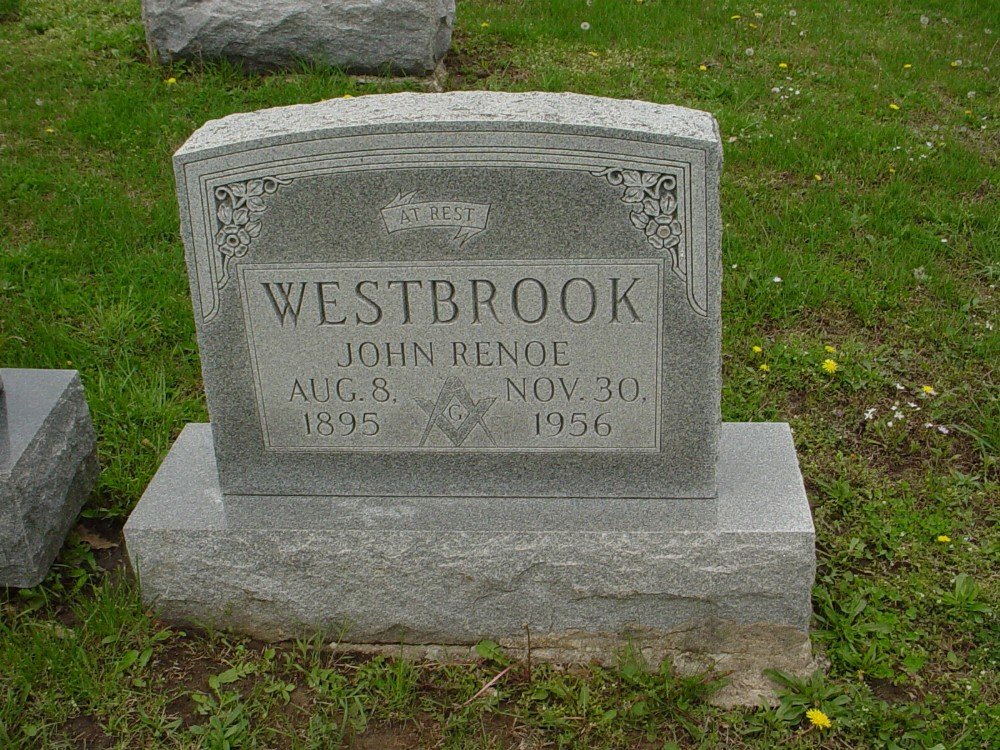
585,26
971,95
748,52
944,240
888,424
912,405
870,414
776,90
776,279
735,266
943,430
39,102
899,387
928,425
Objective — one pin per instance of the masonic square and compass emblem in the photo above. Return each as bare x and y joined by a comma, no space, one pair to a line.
455,413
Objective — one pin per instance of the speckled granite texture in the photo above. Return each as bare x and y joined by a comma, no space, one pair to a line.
48,465
435,571
365,36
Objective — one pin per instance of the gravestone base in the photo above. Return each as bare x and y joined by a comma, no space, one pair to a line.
48,465
724,583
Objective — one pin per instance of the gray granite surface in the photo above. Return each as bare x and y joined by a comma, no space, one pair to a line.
628,117
371,36
397,571
48,465
468,295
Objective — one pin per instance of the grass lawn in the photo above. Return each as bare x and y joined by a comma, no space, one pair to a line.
861,201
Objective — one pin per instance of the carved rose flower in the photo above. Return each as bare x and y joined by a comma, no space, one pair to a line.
233,240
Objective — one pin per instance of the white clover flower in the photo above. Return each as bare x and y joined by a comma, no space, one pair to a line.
776,279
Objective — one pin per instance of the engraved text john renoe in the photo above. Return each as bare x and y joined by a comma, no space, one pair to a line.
484,356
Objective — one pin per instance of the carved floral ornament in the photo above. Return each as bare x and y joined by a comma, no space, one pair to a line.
238,206
653,196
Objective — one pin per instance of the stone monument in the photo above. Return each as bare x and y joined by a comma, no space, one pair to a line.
462,361
48,465
360,36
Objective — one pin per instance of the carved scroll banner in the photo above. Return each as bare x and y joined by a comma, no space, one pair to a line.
468,218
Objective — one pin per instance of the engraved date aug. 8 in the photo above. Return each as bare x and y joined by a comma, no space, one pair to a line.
344,424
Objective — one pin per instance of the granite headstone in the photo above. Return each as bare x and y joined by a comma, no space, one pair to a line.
363,36
461,354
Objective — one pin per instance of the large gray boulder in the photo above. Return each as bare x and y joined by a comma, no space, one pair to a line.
364,36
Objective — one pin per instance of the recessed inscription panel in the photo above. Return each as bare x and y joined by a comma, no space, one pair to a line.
480,356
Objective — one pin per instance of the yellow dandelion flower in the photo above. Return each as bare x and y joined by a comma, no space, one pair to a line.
347,96
818,177
955,63
485,24
830,349
894,106
929,390
782,65
702,68
170,81
830,366
593,54
756,349
818,719
968,111
944,538
892,170
765,367
907,66
50,130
